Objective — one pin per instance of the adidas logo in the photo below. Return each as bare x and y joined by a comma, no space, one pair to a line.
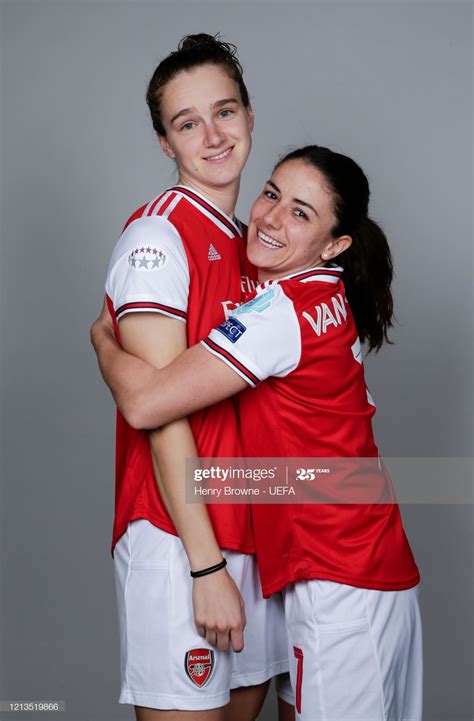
213,254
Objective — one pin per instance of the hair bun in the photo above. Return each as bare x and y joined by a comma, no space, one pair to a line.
190,41
194,51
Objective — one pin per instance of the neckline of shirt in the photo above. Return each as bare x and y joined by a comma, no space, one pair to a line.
324,273
204,204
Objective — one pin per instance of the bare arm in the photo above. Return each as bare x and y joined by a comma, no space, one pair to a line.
218,607
148,396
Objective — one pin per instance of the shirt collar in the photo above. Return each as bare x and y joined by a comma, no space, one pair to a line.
230,226
323,273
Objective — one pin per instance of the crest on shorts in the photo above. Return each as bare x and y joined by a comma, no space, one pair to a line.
199,665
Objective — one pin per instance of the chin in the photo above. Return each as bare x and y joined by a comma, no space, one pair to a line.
258,258
227,172
222,180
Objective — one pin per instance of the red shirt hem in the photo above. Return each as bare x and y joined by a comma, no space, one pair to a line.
309,574
223,541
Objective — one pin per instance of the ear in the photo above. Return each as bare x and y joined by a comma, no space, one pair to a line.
336,247
165,146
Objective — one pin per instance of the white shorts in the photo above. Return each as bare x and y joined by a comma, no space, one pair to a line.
165,664
355,654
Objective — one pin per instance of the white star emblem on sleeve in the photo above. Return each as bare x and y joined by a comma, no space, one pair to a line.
149,259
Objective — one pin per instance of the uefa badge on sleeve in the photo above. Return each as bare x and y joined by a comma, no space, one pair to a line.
146,258
199,665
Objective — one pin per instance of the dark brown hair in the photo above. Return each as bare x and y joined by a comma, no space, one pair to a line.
367,263
193,51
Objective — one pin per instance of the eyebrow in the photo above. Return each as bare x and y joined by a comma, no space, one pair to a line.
295,200
185,111
218,104
225,101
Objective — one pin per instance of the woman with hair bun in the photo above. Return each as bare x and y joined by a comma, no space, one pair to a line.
348,577
178,263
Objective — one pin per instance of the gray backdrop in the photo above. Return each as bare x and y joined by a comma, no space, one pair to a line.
387,82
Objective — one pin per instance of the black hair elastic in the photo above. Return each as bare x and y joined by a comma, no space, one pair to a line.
211,569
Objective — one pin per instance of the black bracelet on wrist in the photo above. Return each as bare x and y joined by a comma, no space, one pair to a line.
211,569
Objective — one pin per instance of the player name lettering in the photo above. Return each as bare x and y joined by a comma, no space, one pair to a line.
325,317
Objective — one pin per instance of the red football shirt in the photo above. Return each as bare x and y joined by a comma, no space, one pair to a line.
181,256
300,335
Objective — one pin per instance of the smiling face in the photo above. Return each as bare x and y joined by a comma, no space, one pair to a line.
291,222
208,128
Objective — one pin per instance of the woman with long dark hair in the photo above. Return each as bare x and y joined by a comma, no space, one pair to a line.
346,570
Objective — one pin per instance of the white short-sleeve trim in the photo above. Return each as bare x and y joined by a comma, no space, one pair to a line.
261,338
149,271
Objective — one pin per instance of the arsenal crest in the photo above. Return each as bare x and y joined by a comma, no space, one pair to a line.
199,665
